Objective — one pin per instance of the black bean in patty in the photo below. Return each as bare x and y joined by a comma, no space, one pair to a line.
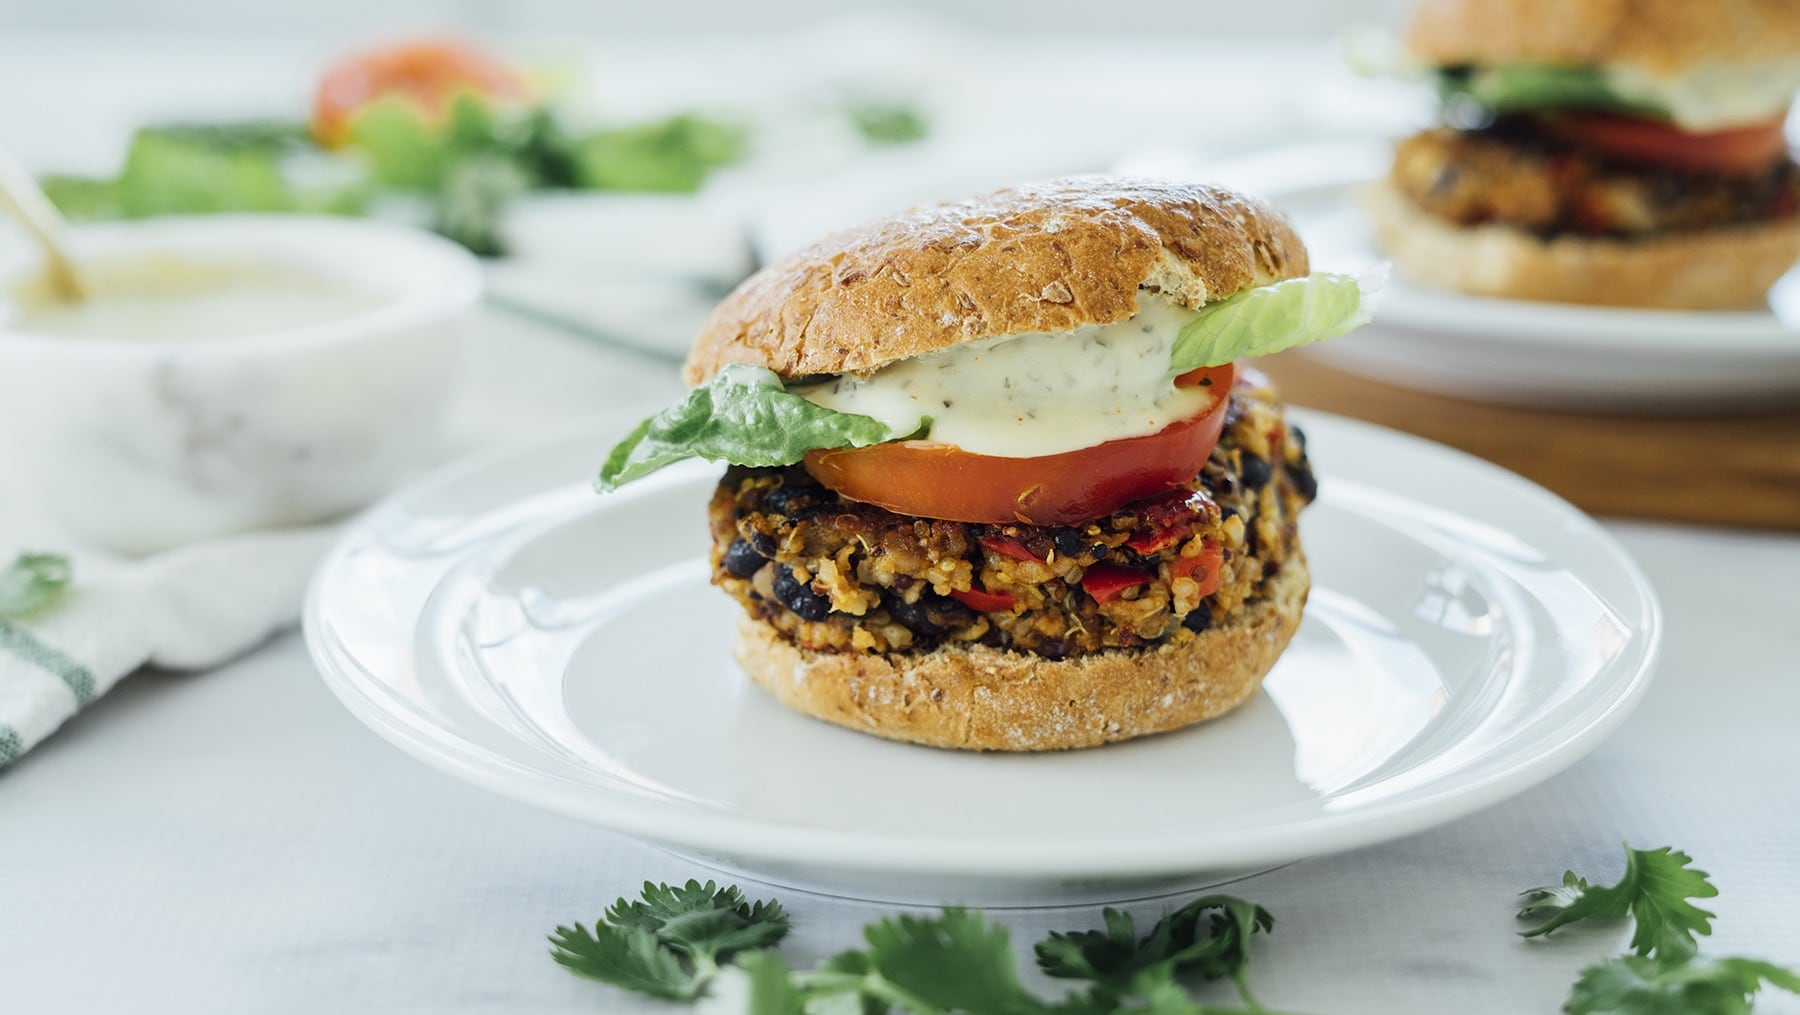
786,500
931,616
1198,619
1255,471
740,559
800,597
1075,543
1305,483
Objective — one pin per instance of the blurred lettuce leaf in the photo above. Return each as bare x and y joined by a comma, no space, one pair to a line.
82,198
266,167
673,155
467,164
887,123
407,149
1528,86
473,197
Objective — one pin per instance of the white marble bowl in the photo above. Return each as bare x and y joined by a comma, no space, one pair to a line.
144,444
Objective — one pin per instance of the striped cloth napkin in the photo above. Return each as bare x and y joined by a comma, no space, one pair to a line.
188,609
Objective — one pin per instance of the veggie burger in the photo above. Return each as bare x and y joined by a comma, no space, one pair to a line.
1624,152
996,482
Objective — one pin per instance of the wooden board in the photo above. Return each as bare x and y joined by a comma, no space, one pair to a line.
1727,470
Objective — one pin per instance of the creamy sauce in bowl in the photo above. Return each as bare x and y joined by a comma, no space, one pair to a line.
167,297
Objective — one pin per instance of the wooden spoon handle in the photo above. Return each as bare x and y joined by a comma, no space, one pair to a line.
24,199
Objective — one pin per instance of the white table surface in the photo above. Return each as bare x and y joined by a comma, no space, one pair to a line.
235,841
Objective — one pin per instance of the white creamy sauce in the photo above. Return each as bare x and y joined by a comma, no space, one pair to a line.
1038,394
1713,96
170,298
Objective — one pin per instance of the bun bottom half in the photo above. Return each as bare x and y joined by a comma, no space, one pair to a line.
976,698
1710,269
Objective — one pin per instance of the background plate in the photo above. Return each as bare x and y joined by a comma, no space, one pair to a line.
1516,351
1468,635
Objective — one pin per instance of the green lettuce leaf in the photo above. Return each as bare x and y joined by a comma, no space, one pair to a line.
888,123
1524,86
742,416
82,198
673,155
1270,318
186,169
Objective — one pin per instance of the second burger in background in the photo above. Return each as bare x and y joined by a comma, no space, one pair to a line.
1600,151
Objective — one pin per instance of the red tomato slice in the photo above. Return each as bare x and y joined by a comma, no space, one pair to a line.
931,480
984,602
1738,150
428,71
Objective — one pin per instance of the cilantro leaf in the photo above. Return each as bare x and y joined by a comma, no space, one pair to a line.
629,957
743,416
1634,985
758,984
840,987
1223,949
672,943
957,961
706,943
703,920
1654,891
1209,936
32,583
1110,958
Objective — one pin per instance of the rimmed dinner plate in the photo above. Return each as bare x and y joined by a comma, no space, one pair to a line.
1518,351
1468,635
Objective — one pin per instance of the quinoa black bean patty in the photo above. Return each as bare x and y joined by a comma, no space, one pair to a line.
837,575
1518,172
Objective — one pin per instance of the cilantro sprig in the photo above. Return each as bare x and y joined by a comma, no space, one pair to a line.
32,583
1209,936
708,944
1654,892
705,942
1634,985
672,942
1665,974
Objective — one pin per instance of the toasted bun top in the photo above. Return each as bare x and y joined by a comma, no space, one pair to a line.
1664,37
1044,257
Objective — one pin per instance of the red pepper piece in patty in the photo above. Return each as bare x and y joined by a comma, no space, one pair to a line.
1105,582
1169,519
1007,546
984,602
1205,567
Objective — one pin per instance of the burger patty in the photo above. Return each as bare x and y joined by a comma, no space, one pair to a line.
1515,172
843,576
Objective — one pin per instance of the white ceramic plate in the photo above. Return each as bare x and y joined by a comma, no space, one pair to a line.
1469,635
1519,351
